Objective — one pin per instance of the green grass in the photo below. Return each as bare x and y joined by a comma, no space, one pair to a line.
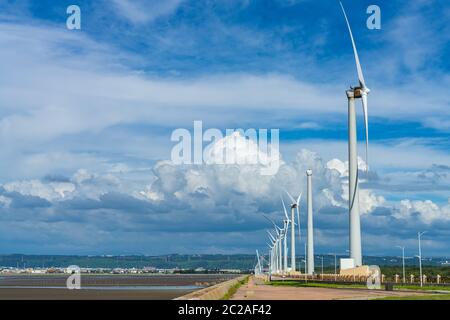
425,288
351,285
234,288
315,284
425,297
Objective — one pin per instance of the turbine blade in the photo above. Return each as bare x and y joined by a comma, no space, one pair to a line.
298,224
284,207
276,231
270,220
358,65
267,218
271,237
366,124
298,199
290,197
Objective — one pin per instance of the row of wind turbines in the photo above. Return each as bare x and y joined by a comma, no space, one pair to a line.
278,261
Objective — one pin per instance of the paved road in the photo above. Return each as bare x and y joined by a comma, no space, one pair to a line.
256,290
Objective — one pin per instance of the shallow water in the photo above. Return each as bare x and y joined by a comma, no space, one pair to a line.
126,288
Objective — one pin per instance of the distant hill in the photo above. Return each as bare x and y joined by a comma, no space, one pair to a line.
192,261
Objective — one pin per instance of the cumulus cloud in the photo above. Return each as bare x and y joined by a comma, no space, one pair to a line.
203,199
426,210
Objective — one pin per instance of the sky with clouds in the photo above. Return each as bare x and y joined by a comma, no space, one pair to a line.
86,118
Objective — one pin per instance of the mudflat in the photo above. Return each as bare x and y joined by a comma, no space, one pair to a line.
105,287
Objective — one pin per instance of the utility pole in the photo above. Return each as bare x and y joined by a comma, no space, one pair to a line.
306,271
419,235
335,265
403,262
322,266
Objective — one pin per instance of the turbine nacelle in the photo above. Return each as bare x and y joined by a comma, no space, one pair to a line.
358,92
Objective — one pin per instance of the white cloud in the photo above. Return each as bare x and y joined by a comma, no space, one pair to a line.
342,166
384,155
80,93
189,198
138,11
368,200
50,191
427,210
5,201
309,125
216,185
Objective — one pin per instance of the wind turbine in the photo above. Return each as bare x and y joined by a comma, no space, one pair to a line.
310,236
277,244
273,258
419,236
259,267
270,257
281,234
280,250
287,221
294,205
353,93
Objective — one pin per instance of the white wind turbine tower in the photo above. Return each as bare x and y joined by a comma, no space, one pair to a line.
271,247
281,234
294,205
310,241
284,234
278,252
273,258
258,267
280,248
359,92
287,221
270,257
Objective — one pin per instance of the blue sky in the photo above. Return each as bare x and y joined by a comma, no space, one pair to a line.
86,118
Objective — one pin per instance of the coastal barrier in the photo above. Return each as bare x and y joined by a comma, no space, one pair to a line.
215,292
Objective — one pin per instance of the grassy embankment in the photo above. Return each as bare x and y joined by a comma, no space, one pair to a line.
234,288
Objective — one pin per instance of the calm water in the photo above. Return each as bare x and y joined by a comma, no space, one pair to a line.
125,288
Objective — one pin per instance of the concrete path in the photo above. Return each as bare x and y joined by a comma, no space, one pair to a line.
257,290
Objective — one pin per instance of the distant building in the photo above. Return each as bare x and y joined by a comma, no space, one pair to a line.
38,271
230,271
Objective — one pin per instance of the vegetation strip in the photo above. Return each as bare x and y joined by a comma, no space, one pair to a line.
352,285
234,288
315,284
426,297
